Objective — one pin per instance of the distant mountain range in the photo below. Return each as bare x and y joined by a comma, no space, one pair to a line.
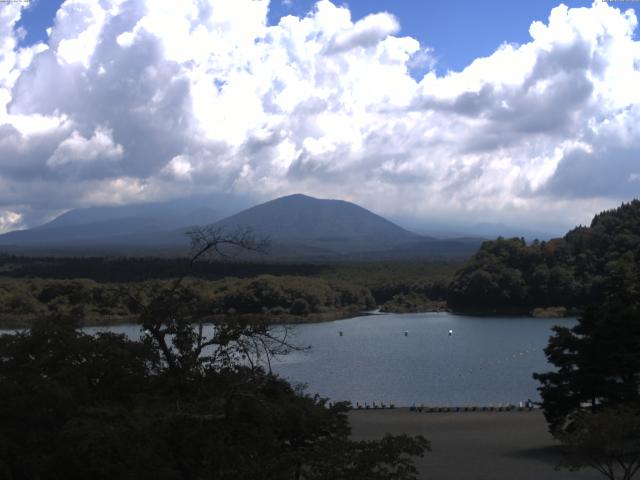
299,227
454,228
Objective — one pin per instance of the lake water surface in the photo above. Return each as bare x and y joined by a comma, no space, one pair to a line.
487,360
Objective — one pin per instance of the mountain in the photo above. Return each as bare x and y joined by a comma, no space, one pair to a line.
299,227
456,228
306,228
325,225
98,229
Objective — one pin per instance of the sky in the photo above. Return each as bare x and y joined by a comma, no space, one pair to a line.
525,113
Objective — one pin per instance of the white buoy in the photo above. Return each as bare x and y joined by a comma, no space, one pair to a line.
450,332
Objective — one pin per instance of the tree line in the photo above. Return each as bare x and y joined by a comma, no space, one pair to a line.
286,293
279,298
571,271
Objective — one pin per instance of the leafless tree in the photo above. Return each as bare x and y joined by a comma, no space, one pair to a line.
175,319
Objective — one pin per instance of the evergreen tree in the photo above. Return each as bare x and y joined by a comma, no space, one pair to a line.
598,360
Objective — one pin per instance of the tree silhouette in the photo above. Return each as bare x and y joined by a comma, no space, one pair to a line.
592,400
607,441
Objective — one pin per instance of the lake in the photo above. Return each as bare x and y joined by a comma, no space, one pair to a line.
486,360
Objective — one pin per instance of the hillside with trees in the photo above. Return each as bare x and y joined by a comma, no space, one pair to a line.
568,272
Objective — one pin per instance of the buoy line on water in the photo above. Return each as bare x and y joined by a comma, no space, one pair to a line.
486,365
499,407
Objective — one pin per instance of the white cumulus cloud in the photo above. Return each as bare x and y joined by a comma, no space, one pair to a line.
10,221
367,32
133,100
78,149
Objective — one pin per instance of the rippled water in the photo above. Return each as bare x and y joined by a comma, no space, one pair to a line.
487,360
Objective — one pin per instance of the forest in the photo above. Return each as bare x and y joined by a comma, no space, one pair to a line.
568,272
104,291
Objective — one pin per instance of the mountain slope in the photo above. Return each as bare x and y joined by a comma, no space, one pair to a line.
332,225
299,227
151,224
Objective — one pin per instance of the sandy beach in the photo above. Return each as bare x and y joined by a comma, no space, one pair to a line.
474,445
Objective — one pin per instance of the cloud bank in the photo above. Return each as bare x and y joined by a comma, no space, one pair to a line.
134,100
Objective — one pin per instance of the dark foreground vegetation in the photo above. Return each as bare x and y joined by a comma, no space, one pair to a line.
76,406
175,405
592,399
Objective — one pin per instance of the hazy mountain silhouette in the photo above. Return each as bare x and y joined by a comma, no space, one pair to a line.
332,225
141,225
299,227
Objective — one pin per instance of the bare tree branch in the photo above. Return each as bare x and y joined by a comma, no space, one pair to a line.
180,335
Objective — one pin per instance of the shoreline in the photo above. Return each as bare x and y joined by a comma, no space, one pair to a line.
529,312
21,322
